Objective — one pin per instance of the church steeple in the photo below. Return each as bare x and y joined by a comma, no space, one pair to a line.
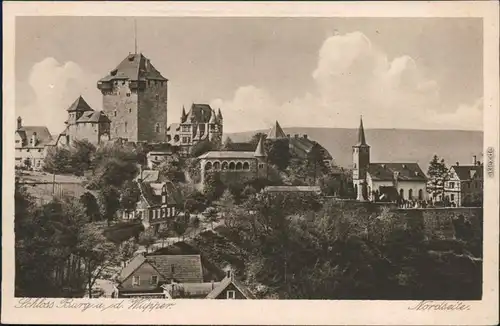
361,133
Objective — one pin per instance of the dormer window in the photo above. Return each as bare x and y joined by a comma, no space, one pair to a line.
231,294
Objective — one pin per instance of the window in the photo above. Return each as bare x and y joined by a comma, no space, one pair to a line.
452,185
452,197
164,210
410,194
136,280
231,294
157,127
261,165
128,94
154,279
114,113
420,194
246,166
185,128
126,127
468,185
130,110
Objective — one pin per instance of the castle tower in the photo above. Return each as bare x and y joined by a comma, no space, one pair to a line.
361,161
135,98
76,110
261,156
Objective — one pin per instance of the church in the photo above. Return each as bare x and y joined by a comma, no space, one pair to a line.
394,181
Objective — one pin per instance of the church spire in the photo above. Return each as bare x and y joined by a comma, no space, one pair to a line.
361,133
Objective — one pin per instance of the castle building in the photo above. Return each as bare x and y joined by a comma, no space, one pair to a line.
235,165
199,124
84,123
373,180
465,184
31,143
134,97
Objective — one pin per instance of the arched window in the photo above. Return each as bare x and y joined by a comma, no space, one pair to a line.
401,194
246,166
410,194
208,166
224,165
114,112
126,127
157,127
217,165
420,194
239,166
231,166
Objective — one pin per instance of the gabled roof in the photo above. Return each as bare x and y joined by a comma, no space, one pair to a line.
79,105
468,172
43,135
181,268
276,132
131,267
199,113
151,192
225,283
135,67
94,117
404,171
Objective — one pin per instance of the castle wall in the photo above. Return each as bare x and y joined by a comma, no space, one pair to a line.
152,112
119,103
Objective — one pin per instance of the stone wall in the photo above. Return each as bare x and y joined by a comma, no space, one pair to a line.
120,104
152,109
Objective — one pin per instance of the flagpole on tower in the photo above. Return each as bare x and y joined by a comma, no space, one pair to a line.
135,36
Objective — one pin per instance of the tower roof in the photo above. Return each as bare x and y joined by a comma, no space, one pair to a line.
276,132
259,151
134,67
361,134
200,113
183,114
79,105
219,115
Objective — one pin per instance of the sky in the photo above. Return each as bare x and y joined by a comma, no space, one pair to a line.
408,73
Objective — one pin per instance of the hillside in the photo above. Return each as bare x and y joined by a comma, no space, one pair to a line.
392,144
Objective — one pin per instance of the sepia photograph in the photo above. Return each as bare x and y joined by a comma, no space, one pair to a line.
250,158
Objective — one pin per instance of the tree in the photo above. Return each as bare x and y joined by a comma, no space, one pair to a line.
58,160
91,206
202,147
180,225
163,234
97,252
146,239
127,250
109,200
81,155
171,167
278,153
130,195
257,137
27,163
438,173
214,187
227,144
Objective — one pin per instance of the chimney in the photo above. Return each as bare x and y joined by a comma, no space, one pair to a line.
33,139
458,163
19,123
478,163
474,160
305,136
213,285
296,136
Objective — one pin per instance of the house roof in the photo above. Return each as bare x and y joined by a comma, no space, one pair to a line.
43,135
152,193
292,189
190,290
276,132
226,155
241,147
79,105
181,268
93,116
135,67
199,113
131,267
404,171
468,172
225,283
149,175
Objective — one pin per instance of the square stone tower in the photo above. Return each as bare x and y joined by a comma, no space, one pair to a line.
134,97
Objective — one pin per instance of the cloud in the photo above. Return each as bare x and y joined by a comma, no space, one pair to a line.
55,86
353,77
